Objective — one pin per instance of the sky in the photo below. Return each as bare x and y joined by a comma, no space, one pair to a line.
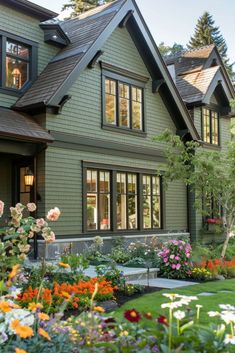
173,21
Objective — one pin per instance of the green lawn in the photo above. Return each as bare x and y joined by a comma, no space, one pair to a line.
152,302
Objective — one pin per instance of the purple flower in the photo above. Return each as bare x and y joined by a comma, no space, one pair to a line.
155,349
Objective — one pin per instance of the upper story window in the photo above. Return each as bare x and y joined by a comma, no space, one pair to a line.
19,62
123,104
210,126
123,100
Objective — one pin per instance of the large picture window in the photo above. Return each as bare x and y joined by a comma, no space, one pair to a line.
117,200
123,104
210,126
18,62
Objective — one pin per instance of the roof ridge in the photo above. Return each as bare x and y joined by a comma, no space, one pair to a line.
92,12
180,53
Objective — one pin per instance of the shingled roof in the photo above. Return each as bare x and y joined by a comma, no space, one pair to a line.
87,34
19,126
82,32
195,71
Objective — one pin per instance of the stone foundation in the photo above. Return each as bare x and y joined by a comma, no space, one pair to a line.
78,245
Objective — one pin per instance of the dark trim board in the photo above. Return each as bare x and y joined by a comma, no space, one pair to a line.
83,143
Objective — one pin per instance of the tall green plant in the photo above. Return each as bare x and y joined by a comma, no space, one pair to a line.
207,173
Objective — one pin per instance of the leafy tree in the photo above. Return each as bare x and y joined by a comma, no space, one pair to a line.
80,6
167,50
206,173
207,33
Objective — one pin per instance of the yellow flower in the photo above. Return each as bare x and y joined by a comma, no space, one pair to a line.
43,316
5,307
23,331
65,294
14,271
19,350
124,333
34,306
99,309
44,334
62,264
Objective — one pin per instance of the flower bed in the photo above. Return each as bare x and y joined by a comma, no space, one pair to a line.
76,296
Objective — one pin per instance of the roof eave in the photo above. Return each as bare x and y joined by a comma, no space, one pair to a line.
30,8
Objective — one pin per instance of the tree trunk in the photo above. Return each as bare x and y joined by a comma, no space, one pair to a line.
228,234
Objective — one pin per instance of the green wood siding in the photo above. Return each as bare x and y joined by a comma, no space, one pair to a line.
82,114
27,27
64,188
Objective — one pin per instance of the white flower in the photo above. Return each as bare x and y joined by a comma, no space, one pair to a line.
172,305
24,316
229,339
228,316
227,307
179,314
213,313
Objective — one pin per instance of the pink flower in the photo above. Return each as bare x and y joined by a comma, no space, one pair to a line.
177,258
186,263
1,208
53,214
173,267
178,266
31,207
165,259
40,222
31,234
188,255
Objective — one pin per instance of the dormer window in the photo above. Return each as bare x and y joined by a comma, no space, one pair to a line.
210,126
19,63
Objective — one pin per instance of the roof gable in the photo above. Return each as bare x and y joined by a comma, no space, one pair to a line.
198,73
87,35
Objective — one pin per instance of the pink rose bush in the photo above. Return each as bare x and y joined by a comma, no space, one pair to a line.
19,230
175,259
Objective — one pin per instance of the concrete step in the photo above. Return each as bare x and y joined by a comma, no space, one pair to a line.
163,283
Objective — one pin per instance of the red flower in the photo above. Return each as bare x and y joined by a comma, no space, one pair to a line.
211,220
148,316
162,320
132,315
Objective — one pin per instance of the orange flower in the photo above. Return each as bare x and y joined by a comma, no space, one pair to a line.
5,307
99,309
14,271
34,306
65,294
19,350
23,331
62,264
44,334
43,316
14,324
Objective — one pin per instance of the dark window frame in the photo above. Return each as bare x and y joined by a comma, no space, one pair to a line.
131,82
33,62
211,110
113,169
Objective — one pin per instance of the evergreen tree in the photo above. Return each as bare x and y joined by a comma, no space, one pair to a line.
167,50
207,33
80,6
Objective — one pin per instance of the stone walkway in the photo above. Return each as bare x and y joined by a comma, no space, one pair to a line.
163,283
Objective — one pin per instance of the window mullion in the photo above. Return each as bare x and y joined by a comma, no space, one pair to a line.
117,104
3,66
113,205
130,106
140,201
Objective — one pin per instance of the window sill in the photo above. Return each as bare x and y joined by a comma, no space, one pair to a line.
11,92
123,130
210,146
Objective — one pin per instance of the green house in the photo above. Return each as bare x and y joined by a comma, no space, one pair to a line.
80,103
